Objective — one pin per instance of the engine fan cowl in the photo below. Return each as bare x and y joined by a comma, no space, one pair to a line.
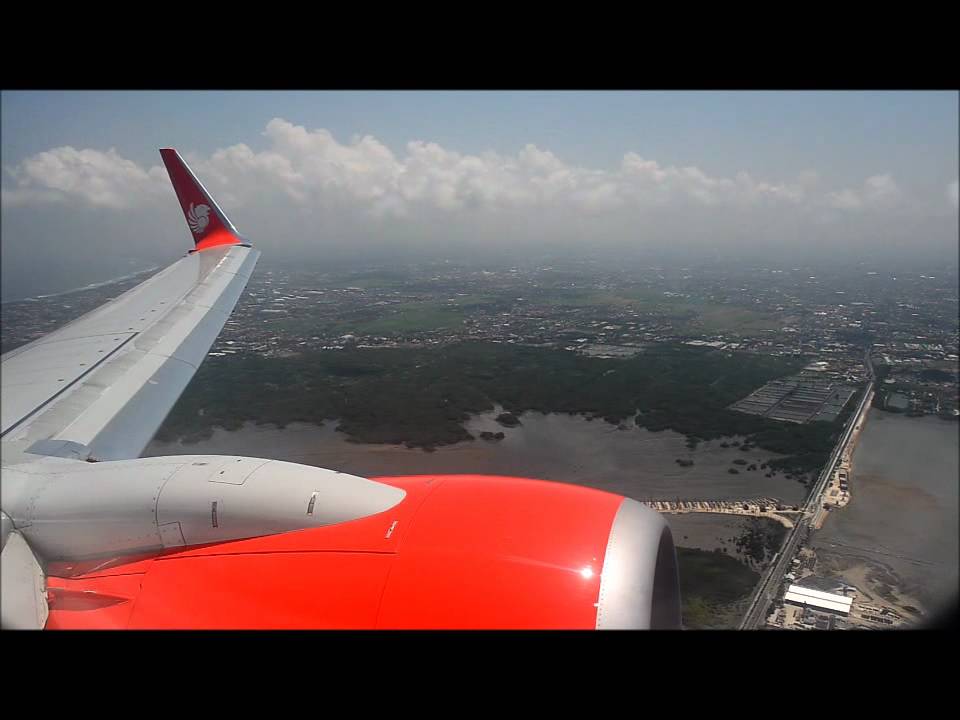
458,552
503,552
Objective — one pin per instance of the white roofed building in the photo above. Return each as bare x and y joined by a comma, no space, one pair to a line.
819,600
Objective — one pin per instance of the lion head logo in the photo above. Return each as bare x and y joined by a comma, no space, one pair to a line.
198,218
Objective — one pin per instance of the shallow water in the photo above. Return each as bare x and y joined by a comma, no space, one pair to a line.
632,462
902,515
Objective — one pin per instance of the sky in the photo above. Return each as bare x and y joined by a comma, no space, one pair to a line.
373,175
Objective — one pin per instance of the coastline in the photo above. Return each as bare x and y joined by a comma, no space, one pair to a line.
897,537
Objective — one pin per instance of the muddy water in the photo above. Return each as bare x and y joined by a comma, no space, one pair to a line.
902,519
632,461
706,531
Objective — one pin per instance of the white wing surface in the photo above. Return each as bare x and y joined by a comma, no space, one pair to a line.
100,387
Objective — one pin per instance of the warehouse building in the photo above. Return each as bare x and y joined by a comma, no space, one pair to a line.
818,600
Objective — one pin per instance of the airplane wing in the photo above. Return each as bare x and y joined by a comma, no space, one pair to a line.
100,387
213,541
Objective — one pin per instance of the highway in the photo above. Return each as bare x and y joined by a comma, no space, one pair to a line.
768,587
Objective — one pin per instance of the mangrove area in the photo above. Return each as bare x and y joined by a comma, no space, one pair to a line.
422,397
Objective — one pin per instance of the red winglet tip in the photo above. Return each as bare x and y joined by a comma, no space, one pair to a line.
207,222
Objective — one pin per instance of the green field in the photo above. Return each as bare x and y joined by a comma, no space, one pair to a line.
370,280
693,315
446,313
413,317
427,315
400,318
724,318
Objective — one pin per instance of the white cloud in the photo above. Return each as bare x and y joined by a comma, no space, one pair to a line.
96,178
846,199
952,194
878,191
309,172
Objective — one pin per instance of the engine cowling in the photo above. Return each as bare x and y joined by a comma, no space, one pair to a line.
455,551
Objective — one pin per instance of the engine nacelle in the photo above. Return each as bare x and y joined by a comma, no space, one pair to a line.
228,542
76,511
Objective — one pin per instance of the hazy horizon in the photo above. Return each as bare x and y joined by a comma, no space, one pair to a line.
355,178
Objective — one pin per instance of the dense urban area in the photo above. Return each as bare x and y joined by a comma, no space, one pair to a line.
785,359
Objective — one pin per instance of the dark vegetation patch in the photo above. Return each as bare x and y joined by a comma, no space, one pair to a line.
422,397
934,375
760,539
710,583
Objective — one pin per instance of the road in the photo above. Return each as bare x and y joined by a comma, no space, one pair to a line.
768,587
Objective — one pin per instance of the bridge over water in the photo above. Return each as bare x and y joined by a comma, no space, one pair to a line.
765,507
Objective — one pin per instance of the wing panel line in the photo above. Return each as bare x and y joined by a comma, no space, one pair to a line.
62,390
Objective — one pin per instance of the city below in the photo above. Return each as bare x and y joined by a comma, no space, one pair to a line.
770,375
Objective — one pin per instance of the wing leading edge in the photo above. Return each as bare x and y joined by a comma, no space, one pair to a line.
99,387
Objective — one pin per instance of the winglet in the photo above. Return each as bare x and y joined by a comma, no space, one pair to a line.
207,222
